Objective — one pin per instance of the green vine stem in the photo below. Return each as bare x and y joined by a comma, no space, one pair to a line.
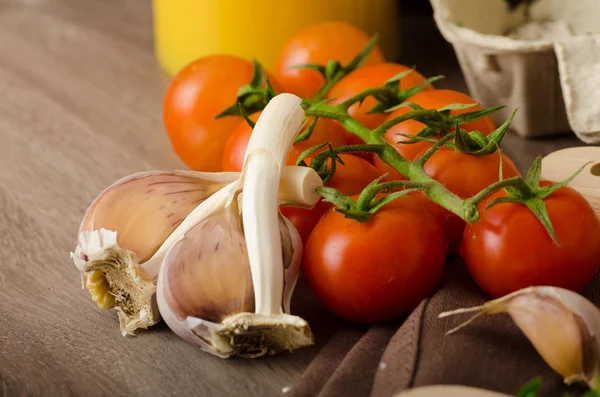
438,127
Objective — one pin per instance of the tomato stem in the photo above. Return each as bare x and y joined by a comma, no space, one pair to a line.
415,114
494,187
361,96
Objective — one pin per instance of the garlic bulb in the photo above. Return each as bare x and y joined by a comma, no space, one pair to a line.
227,284
562,325
129,228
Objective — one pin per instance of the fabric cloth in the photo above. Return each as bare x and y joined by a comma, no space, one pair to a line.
382,360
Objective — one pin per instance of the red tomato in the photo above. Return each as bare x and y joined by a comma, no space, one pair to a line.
509,249
198,93
350,178
369,77
318,44
465,175
380,269
303,219
235,148
429,100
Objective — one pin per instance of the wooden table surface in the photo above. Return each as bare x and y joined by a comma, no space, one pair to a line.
80,106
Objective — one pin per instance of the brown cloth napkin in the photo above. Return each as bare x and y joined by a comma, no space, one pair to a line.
385,359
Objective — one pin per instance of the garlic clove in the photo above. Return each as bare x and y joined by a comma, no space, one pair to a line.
271,251
145,208
207,272
291,243
205,292
129,227
562,325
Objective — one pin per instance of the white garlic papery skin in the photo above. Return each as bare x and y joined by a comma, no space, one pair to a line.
562,325
227,284
129,227
124,228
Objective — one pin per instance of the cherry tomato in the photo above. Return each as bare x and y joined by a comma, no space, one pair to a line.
465,175
509,249
303,219
369,77
429,100
317,44
380,269
198,93
235,148
350,178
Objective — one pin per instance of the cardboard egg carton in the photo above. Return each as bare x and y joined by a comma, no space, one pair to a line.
542,57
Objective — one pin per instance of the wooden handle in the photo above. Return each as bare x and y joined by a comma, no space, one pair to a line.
561,164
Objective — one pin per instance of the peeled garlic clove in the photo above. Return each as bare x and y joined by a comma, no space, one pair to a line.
205,280
562,325
204,294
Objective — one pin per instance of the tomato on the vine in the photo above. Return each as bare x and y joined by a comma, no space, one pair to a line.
303,219
349,178
429,100
235,148
465,175
318,44
197,94
369,77
380,269
509,248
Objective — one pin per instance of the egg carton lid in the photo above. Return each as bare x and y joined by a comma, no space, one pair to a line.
569,28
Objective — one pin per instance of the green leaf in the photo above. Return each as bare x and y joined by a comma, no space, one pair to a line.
422,159
503,200
495,138
353,213
414,139
477,144
304,135
310,66
270,91
336,197
309,151
331,69
462,141
380,107
548,190
408,92
412,106
531,388
501,168
474,115
393,82
537,206
457,106
361,57
233,110
388,198
258,75
250,122
534,174
427,132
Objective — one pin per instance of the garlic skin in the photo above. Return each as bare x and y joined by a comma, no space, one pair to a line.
562,325
129,227
205,295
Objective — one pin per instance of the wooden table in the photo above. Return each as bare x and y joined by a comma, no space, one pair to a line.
80,106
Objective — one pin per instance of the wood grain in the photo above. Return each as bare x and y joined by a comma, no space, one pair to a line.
80,106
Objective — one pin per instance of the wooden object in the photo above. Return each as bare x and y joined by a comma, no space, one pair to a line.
561,164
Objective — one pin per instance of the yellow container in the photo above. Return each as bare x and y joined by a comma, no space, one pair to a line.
188,29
